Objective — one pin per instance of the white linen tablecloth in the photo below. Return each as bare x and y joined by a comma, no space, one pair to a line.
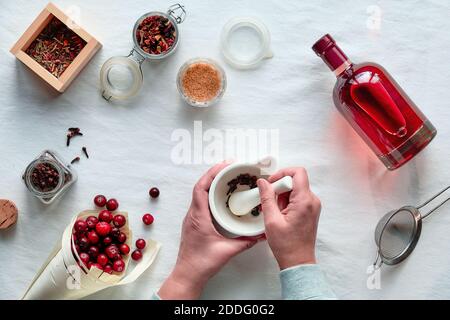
130,142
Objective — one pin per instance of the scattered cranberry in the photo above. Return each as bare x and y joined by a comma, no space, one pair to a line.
140,243
107,241
124,249
83,242
122,237
103,228
91,222
112,204
96,265
148,219
93,237
102,259
136,255
100,200
93,251
154,192
111,251
108,269
115,232
84,257
118,265
119,220
80,226
105,215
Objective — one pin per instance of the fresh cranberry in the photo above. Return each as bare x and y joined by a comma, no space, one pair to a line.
93,237
112,204
108,269
77,248
105,216
148,219
83,242
111,251
154,192
84,257
100,200
117,257
80,226
91,222
96,265
102,259
136,255
103,228
122,237
115,232
124,249
140,243
119,220
118,265
107,241
93,251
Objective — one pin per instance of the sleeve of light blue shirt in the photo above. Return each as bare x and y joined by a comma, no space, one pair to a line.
304,282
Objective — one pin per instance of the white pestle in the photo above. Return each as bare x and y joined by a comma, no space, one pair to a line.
242,202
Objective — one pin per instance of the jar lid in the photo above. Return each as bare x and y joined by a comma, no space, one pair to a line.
245,42
121,77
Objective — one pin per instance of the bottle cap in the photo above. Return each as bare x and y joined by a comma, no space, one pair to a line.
331,54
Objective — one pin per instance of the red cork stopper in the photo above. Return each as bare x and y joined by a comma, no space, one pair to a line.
330,53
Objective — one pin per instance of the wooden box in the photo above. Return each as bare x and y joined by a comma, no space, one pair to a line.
78,63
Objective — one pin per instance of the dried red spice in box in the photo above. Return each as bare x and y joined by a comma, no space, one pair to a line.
56,47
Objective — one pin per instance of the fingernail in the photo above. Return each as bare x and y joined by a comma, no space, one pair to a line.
229,161
261,183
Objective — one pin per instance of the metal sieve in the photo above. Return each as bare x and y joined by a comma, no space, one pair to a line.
397,233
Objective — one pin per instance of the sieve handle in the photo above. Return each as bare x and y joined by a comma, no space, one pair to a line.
438,206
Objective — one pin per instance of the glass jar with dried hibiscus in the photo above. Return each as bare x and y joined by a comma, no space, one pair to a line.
155,37
48,176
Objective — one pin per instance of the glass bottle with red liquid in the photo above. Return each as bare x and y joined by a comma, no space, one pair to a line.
376,107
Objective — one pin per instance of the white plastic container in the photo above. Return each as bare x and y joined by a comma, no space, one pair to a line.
245,42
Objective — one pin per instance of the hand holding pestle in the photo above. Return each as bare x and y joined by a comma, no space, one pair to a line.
242,202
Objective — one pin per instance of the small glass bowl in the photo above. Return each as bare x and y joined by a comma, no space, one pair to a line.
67,176
191,101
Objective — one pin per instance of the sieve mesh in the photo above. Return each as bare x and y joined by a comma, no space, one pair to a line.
397,234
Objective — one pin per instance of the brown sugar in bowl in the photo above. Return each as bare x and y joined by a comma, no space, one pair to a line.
201,82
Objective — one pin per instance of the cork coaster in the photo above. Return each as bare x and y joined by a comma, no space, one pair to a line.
8,213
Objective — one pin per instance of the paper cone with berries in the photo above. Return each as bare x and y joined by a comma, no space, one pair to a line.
65,276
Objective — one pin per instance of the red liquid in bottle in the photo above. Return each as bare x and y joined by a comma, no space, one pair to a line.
376,107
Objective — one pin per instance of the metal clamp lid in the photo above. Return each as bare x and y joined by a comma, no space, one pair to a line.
177,12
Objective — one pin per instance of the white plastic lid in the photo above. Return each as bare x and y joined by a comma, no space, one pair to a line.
245,42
